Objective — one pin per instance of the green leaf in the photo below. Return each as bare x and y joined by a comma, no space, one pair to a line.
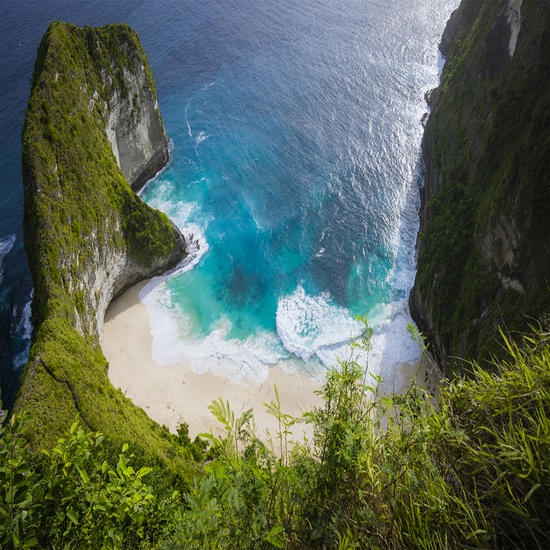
275,536
84,476
122,465
71,514
143,472
31,542
20,494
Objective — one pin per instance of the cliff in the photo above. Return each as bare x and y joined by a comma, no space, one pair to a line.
484,242
92,127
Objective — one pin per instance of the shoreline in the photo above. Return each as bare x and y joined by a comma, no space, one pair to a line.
175,394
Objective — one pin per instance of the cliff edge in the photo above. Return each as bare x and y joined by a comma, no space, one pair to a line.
484,241
92,128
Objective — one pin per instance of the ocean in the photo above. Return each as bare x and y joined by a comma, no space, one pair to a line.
295,132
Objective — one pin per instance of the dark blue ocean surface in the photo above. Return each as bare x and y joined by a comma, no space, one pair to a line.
295,132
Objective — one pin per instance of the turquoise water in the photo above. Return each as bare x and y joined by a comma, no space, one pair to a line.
295,132
295,169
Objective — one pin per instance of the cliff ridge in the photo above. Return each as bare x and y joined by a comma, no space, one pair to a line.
484,244
92,129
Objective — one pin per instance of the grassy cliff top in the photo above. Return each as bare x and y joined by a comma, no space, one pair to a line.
82,224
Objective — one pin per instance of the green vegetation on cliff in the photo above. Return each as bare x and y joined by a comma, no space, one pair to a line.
393,472
484,255
87,234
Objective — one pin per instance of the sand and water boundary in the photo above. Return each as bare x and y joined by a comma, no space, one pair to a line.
175,393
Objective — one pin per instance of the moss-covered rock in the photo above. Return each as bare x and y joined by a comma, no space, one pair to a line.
88,236
484,245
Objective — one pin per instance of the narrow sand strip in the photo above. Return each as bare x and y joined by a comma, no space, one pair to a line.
174,394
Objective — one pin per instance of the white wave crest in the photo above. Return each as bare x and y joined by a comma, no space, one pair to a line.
241,362
313,325
6,244
391,347
315,333
313,328
201,137
179,212
197,247
24,331
24,328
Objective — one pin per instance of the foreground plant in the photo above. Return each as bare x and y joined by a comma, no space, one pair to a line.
403,471
71,497
471,470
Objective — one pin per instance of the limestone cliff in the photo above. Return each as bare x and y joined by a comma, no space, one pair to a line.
92,126
484,242
134,125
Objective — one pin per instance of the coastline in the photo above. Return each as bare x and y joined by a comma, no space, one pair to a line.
175,394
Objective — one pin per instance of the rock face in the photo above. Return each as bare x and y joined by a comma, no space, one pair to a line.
135,129
92,127
484,242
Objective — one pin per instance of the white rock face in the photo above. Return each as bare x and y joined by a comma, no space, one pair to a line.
137,137
513,16
134,128
106,271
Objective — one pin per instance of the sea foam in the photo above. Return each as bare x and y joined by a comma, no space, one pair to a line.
307,325
313,333
392,346
23,331
6,244
180,212
242,362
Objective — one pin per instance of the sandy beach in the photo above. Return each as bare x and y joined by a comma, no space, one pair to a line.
174,394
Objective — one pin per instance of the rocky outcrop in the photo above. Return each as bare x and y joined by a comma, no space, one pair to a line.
92,127
134,127
484,244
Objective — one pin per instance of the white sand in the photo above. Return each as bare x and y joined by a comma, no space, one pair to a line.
174,394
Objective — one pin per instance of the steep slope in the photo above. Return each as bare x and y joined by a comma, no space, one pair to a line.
484,245
92,119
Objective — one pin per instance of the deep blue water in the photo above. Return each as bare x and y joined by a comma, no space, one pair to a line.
295,130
